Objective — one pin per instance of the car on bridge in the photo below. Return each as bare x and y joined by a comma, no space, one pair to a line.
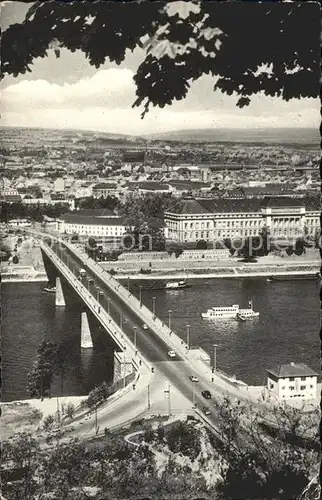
172,354
206,394
193,378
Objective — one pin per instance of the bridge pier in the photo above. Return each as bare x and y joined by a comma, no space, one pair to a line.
123,367
86,338
60,299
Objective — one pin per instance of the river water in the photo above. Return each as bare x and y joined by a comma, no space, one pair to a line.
287,330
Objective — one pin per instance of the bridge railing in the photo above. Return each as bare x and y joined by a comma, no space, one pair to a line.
158,326
147,316
114,330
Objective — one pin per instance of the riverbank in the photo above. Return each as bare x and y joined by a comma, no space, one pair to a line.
28,414
30,267
287,272
20,279
270,265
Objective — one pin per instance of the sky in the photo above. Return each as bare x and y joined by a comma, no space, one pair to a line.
67,92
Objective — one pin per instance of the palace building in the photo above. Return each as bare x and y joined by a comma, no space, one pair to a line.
103,225
216,219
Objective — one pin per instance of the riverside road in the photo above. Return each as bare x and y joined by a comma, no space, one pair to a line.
177,373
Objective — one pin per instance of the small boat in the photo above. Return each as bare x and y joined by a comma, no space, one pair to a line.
241,317
231,312
175,285
51,289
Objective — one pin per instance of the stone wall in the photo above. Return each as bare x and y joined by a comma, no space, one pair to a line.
119,368
212,254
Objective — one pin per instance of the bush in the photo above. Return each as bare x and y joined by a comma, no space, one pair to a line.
149,434
174,248
201,245
161,432
182,438
70,410
48,422
15,259
98,395
92,242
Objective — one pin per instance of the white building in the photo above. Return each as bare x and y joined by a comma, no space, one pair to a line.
59,185
104,189
103,225
19,223
292,380
216,219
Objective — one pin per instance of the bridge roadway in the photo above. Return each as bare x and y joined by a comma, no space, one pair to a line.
155,342
173,373
150,345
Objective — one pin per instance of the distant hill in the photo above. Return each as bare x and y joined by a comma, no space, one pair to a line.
303,136
26,136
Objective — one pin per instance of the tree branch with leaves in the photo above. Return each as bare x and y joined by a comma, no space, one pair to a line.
246,47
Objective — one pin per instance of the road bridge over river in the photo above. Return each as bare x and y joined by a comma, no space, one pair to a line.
144,349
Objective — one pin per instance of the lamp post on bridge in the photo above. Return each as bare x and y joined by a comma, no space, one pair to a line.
214,366
96,423
124,366
193,396
167,391
128,283
188,336
135,329
153,306
169,318
140,295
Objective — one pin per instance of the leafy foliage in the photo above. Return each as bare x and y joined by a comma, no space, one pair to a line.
228,244
98,395
145,236
201,245
181,438
15,259
110,203
70,410
40,377
174,248
34,212
92,242
49,422
247,48
253,462
19,458
142,207
259,458
144,217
